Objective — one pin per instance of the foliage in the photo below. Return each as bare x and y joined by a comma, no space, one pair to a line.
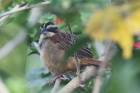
91,20
118,23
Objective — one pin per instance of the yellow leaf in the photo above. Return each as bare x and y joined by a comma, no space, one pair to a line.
118,23
133,22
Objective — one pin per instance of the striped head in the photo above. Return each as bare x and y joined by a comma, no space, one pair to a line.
49,27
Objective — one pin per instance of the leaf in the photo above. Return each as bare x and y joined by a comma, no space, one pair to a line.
125,75
70,14
37,77
34,52
118,23
48,17
37,34
74,18
8,21
22,17
34,1
5,4
15,85
75,47
30,1
18,1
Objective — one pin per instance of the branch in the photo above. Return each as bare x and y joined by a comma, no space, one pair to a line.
98,81
5,17
24,8
57,83
21,36
75,55
88,73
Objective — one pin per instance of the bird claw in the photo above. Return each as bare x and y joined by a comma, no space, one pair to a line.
60,76
56,77
51,81
64,79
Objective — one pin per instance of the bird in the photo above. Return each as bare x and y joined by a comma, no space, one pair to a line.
53,45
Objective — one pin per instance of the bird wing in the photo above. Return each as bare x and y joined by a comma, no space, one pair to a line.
64,41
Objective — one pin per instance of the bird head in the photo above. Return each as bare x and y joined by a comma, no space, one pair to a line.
49,29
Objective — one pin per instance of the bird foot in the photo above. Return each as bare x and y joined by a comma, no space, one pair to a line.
64,79
56,77
59,76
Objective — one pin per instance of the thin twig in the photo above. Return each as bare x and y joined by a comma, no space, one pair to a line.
21,36
7,16
75,55
24,8
98,81
57,83
108,47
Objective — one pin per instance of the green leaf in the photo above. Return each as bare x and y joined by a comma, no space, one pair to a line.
76,47
15,85
34,1
8,21
22,18
47,17
37,77
18,1
30,1
5,4
125,75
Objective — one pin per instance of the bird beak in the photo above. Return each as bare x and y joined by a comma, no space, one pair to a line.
43,31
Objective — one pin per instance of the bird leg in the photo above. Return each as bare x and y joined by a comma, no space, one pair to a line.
59,76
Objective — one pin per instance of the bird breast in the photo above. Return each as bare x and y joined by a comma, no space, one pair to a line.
51,56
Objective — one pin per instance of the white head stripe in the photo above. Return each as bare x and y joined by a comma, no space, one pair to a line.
50,26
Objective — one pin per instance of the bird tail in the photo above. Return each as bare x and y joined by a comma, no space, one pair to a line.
105,58
90,61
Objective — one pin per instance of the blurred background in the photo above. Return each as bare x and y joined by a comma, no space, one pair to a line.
95,21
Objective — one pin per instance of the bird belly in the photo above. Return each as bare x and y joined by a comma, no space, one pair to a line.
52,58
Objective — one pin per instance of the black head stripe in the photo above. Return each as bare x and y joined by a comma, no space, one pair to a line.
53,29
44,25
48,23
50,27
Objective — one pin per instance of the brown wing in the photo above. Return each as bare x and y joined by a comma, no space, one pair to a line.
64,40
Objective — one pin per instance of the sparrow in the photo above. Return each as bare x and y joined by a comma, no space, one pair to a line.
53,45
